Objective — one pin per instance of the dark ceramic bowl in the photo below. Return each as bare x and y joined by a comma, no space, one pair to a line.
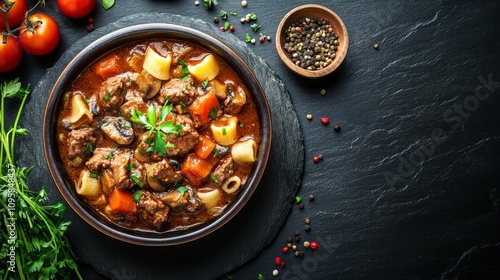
108,43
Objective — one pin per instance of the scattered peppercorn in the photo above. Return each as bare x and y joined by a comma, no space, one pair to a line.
375,46
278,260
296,253
307,244
337,127
244,3
325,120
284,249
307,221
90,27
231,28
301,254
296,233
222,29
309,116
90,20
268,38
311,43
301,205
289,244
322,92
275,272
307,227
316,159
314,245
261,40
311,197
320,157
196,3
252,41
289,240
294,247
216,20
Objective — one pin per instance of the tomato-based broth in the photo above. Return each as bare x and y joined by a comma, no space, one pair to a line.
158,135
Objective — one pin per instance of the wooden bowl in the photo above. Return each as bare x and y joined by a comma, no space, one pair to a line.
312,11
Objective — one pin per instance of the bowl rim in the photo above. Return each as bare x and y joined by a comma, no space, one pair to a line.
340,56
104,45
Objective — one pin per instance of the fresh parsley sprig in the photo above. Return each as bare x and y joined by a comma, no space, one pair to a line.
160,128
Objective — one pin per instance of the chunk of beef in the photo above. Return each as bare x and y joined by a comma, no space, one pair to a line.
136,103
178,91
185,142
100,159
119,163
224,170
78,139
161,175
152,210
113,90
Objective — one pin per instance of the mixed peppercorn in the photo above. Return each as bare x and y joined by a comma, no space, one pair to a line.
311,43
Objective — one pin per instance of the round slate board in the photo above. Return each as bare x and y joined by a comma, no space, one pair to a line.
220,252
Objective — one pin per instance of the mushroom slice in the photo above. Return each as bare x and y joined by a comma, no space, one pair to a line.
148,84
161,174
118,129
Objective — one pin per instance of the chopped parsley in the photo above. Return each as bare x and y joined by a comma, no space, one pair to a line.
137,195
255,27
107,96
182,189
213,113
214,152
204,84
248,38
224,131
223,14
135,178
109,156
214,178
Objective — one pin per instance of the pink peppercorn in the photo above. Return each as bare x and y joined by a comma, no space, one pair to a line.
314,245
285,249
316,159
325,120
231,28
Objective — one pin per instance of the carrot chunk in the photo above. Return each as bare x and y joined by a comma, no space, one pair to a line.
196,169
108,67
205,108
205,148
122,201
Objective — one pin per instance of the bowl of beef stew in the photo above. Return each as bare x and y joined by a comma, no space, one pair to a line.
157,134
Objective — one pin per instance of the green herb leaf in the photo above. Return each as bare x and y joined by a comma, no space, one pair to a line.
151,115
298,198
252,16
170,128
213,113
227,25
109,156
130,166
107,96
214,152
107,4
261,277
159,144
204,84
135,178
209,3
137,195
182,189
214,178
223,131
223,14
255,27
138,117
233,13
248,38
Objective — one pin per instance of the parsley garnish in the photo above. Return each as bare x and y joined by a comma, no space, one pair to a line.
209,3
109,156
248,38
298,198
204,84
135,178
160,128
182,189
137,195
223,14
214,152
107,96
213,113
223,131
214,178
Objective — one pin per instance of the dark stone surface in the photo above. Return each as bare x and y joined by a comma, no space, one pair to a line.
439,217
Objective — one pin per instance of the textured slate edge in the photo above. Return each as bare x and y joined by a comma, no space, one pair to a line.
283,173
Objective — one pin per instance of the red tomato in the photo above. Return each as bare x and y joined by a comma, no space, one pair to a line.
76,9
15,15
43,39
11,54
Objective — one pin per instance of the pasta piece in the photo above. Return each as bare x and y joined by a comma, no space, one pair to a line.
157,65
88,185
245,151
232,185
80,113
207,69
227,133
210,199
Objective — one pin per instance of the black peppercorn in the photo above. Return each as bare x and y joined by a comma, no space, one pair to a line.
307,227
297,238
311,197
296,233
301,205
289,240
216,20
337,127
